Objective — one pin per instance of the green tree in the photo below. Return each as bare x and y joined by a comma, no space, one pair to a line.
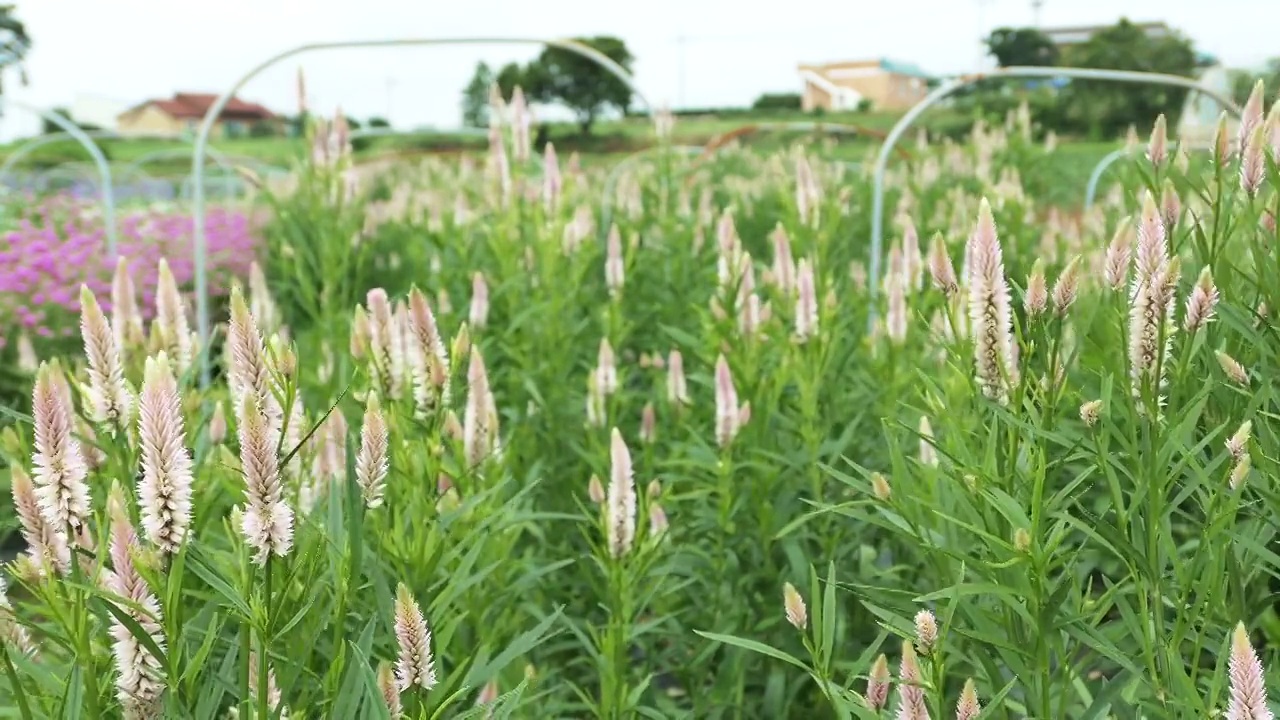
378,122
1242,81
510,76
15,43
475,97
1021,46
579,83
1105,109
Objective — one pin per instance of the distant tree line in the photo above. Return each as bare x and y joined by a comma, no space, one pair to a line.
1095,108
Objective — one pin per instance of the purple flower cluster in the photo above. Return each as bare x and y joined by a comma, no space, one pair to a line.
60,242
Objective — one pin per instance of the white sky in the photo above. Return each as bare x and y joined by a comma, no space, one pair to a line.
131,50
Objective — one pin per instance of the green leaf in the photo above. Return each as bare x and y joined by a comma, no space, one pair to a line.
755,647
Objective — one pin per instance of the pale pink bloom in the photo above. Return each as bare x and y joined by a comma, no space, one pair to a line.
520,121
728,414
1251,115
164,490
415,665
1201,303
1234,370
249,374
911,703
260,303
551,182
479,313
808,194
896,315
1036,297
912,262
1222,141
597,412
1170,205
60,469
1116,265
480,418
606,369
620,503
926,631
794,607
750,312
126,320
218,424
1237,444
28,362
658,522
273,690
940,267
371,462
46,547
648,424
427,356
1158,146
989,311
13,633
1067,286
171,319
384,343
1253,166
267,521
107,395
1248,690
614,270
878,679
806,302
390,691
1150,317
1153,250
677,387
140,682
784,268
968,708
595,490
928,451
498,165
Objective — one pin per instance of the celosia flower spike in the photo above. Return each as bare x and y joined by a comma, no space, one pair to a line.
371,462
107,395
806,303
60,469
164,490
416,665
677,386
727,410
140,682
1248,690
620,504
1201,302
989,312
794,607
911,703
940,267
429,358
46,547
878,683
171,318
1158,146
267,521
968,707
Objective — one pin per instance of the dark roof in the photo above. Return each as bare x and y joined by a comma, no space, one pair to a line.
193,106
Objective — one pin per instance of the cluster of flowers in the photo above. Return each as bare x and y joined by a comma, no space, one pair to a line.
55,506
60,243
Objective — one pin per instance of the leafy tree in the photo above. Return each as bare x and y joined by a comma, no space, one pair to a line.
475,97
510,76
378,122
1105,108
15,43
1021,46
777,101
1242,81
579,83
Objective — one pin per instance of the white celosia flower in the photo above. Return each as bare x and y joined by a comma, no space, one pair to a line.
46,547
140,682
107,396
171,319
371,462
728,413
384,343
249,374
164,490
620,506
677,386
480,418
267,521
12,632
1248,690
606,369
126,320
415,665
479,313
60,469
428,357
806,302
989,312
784,268
614,269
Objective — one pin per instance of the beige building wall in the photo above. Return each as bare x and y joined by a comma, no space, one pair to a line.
884,90
150,120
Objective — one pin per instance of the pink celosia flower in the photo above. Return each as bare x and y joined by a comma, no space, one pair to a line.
677,387
13,633
784,269
896,314
140,683
428,357
249,374
1248,689
60,470
614,270
968,708
1116,265
551,182
126,321
385,346
480,418
620,505
107,395
940,267
911,704
416,665
46,547
1158,146
479,313
371,462
267,521
912,262
878,683
1201,302
1253,166
728,413
989,312
390,691
1036,296
648,424
164,490
606,369
806,302
794,608
171,319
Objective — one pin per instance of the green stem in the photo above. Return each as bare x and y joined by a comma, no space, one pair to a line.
264,708
24,709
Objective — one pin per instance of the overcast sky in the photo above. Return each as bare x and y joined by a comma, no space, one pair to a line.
131,50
